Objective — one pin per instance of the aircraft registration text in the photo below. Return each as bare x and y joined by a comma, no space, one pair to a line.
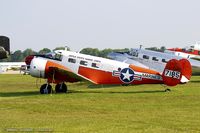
172,74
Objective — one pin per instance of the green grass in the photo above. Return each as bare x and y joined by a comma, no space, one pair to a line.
90,108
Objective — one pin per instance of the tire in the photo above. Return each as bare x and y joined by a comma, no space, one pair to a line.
45,89
61,88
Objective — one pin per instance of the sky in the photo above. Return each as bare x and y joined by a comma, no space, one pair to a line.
38,24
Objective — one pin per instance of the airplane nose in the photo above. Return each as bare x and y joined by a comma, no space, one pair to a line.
37,67
28,59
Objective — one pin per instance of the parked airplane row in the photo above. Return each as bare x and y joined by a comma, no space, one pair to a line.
138,66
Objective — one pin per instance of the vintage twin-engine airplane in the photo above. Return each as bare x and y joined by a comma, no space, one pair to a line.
66,66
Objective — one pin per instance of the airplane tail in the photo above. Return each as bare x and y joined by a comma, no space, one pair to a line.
4,47
177,71
5,43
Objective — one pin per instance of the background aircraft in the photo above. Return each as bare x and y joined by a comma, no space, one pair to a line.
5,66
149,59
4,47
66,66
188,52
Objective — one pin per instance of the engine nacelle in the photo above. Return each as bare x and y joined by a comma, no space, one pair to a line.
37,67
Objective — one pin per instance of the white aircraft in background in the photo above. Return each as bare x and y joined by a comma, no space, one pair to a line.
66,66
6,66
149,59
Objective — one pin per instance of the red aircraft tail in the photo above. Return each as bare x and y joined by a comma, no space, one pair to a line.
177,71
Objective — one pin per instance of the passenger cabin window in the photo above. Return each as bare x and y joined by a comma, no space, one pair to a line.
199,52
83,63
71,60
95,65
154,58
163,60
145,57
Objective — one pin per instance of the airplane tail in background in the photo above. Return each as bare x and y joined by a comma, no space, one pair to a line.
177,71
4,47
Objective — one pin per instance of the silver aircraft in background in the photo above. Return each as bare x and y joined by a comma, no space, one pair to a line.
149,59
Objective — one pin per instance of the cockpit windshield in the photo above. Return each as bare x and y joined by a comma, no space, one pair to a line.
134,52
54,56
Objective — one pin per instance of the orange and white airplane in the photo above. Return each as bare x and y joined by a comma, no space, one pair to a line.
66,66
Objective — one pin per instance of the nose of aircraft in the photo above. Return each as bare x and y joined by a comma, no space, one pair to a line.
37,67
28,59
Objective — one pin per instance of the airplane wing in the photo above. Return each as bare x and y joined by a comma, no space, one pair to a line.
124,57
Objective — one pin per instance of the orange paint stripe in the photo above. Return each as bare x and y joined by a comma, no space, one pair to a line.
143,70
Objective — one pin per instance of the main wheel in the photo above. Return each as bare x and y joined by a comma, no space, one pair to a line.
45,89
61,88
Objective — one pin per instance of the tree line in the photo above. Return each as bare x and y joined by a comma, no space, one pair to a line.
19,56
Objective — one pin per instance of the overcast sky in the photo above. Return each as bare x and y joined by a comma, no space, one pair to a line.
99,23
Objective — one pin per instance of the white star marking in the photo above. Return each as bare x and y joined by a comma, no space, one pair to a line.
127,75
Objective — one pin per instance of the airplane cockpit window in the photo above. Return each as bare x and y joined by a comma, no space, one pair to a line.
54,56
134,53
190,50
58,56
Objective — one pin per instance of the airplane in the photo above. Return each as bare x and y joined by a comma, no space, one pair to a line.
4,47
187,52
66,66
149,59
5,66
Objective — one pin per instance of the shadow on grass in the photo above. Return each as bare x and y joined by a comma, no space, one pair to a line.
120,92
195,81
102,86
18,94
34,93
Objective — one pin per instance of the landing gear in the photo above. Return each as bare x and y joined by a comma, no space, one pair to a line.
61,88
45,89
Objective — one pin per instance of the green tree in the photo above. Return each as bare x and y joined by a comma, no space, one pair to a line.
90,51
44,51
103,53
28,52
17,56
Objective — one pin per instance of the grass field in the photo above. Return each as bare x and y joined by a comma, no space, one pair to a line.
104,109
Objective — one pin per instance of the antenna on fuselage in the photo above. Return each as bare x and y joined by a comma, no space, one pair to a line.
67,48
140,46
